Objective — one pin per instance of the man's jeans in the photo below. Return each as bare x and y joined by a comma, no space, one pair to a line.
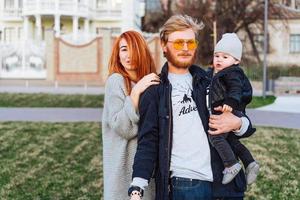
190,189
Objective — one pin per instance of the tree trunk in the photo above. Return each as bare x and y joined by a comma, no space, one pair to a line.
250,35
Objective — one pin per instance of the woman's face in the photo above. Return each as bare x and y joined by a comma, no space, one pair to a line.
124,55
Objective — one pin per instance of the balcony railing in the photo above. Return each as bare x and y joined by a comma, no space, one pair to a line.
52,7
11,13
64,7
103,13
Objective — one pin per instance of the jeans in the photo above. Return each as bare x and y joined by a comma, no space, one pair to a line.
190,189
240,150
223,148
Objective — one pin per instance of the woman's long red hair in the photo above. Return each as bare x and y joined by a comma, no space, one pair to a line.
140,57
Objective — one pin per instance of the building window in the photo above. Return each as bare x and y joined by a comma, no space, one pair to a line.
297,5
8,4
8,34
286,2
116,4
295,43
20,33
114,30
101,4
20,3
259,42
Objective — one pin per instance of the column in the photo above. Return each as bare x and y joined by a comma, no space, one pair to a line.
75,27
57,25
293,4
86,28
127,15
38,4
25,28
1,34
94,4
38,25
106,50
24,6
56,5
75,8
16,7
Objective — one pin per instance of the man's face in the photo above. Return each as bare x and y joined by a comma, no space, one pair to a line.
180,48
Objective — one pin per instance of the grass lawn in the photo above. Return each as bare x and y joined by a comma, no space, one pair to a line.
64,161
51,100
80,101
43,161
260,101
277,150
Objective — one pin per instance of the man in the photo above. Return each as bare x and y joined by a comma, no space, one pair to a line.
174,121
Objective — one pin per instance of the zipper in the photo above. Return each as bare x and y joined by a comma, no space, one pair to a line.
170,132
208,98
196,86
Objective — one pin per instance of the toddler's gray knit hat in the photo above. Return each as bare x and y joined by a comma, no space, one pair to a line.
230,44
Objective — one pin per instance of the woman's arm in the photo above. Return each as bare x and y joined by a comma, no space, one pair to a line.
121,114
141,86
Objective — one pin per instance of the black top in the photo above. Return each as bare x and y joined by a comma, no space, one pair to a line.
229,86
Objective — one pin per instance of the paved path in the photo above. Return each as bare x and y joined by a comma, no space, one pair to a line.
289,104
274,119
258,117
51,114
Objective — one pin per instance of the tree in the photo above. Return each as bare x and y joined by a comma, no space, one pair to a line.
230,15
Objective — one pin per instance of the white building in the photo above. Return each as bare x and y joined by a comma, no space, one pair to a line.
30,18
23,24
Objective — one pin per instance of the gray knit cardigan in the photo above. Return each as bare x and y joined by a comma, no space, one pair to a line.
119,134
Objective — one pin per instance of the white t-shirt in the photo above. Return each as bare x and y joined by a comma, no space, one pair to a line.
190,156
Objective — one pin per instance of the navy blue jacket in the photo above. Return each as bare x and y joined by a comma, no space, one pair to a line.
155,137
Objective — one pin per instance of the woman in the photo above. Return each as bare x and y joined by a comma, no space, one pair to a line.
131,71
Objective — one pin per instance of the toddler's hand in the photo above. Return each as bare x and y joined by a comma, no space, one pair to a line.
135,197
226,108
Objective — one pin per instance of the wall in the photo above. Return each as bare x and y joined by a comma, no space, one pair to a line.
279,43
87,62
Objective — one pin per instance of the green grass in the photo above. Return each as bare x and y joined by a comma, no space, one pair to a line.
50,161
64,161
80,101
260,101
277,150
50,100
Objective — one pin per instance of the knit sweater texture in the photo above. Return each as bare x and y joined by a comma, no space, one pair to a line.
119,135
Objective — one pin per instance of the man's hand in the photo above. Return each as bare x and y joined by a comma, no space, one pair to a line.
223,123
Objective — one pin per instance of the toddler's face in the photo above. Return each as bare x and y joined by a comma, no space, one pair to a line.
223,60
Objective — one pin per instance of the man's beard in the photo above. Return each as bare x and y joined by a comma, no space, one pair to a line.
179,64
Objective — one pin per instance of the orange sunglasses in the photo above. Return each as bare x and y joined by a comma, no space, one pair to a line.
178,44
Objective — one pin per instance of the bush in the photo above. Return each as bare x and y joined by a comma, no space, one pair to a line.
255,72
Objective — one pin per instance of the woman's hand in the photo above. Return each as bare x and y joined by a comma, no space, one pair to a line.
141,86
223,123
145,82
